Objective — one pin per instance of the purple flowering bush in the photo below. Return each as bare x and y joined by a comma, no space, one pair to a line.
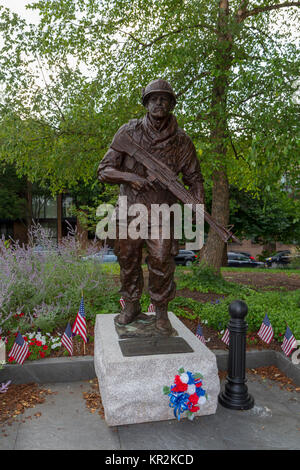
41,283
4,386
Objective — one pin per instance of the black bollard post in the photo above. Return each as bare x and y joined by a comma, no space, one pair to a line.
235,395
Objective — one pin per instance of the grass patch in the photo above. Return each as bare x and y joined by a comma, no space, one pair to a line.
203,278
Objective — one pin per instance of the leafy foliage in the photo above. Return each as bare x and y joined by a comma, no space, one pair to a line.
71,81
12,195
275,216
92,58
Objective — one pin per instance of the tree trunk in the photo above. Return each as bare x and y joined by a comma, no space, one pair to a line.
59,217
82,234
269,247
214,248
224,256
29,206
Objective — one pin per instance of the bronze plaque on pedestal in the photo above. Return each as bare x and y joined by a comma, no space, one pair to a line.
154,346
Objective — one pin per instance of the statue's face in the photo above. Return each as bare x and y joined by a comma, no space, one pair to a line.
159,105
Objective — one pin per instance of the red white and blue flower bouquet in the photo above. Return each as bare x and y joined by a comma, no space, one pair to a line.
186,394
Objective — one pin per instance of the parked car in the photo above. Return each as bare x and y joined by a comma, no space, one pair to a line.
102,256
245,253
281,258
45,250
238,260
185,258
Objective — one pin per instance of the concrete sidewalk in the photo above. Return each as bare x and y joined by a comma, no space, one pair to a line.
66,423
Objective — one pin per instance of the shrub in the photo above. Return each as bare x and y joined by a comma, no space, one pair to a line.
203,278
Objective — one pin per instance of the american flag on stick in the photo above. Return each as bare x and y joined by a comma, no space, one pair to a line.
19,350
151,308
79,326
122,302
225,337
266,332
289,342
66,339
199,333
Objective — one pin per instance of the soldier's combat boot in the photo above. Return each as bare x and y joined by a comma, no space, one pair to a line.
162,322
130,312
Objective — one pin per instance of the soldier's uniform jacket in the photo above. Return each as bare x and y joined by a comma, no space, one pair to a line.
171,145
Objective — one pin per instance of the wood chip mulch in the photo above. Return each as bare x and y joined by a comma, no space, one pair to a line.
18,398
264,281
276,375
93,398
271,373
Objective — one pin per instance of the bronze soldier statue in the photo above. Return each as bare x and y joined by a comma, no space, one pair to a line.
158,133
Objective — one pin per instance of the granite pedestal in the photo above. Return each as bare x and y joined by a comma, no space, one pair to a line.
131,387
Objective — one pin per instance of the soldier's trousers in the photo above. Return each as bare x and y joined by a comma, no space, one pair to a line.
161,267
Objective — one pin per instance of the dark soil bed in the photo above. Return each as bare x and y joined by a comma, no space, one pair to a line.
199,296
264,280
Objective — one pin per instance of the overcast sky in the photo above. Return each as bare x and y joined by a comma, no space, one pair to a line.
19,7
32,16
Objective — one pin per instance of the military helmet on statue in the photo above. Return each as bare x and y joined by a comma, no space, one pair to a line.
158,86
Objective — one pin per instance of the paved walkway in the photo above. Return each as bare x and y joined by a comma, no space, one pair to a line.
66,423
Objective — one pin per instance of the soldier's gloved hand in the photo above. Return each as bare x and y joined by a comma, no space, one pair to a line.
139,183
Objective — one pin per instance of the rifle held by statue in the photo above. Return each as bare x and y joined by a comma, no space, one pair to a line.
158,171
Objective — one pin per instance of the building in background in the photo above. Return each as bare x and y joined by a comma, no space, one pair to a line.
52,213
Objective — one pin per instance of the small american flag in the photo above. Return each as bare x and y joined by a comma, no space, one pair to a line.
122,302
151,308
266,332
66,339
199,333
19,350
79,326
225,337
289,342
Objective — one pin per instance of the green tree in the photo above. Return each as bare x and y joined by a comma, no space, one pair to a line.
233,68
86,200
13,204
274,217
